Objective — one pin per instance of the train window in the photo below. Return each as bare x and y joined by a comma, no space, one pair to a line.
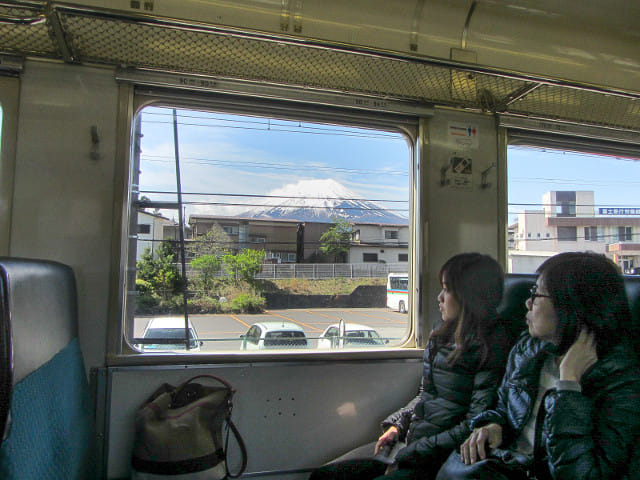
260,232
576,200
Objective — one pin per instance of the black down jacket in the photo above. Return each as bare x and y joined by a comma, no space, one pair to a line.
591,434
437,420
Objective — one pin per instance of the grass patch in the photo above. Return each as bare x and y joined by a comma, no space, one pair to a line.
242,297
329,286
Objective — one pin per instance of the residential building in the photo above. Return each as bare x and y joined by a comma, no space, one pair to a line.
379,242
569,221
152,229
291,241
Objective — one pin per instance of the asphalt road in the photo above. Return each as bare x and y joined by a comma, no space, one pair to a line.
222,331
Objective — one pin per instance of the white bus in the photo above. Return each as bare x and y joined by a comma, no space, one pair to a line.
398,291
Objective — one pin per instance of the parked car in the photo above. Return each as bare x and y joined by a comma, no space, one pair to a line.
355,335
169,328
274,335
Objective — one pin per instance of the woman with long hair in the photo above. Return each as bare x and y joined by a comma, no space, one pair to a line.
463,363
569,404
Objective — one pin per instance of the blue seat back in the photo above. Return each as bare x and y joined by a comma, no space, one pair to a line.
49,423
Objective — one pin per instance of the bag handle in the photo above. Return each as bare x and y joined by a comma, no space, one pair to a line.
243,449
213,377
231,426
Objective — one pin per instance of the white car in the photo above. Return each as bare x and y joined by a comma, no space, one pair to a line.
283,335
355,335
169,328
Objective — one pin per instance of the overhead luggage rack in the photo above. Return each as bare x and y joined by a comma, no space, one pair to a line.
108,37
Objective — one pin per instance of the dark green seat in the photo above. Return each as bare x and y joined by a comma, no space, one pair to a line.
516,292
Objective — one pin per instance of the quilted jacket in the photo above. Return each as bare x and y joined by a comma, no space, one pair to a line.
437,420
591,434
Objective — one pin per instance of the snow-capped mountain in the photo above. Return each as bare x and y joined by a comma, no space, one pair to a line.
321,201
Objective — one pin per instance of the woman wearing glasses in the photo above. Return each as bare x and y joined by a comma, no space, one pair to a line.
463,364
569,404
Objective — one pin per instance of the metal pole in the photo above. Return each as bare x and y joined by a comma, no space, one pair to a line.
181,229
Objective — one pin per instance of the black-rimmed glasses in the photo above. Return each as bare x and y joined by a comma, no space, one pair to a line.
535,294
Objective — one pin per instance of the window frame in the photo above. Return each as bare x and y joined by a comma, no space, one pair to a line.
135,98
366,255
9,103
515,130
625,233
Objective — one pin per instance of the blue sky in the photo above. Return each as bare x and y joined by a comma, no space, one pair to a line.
249,155
245,155
532,172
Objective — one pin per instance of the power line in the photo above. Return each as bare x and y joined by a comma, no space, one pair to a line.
308,243
582,182
277,125
303,207
599,237
247,195
576,152
279,129
268,165
560,205
286,206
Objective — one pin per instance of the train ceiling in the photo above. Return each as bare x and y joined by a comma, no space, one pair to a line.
101,37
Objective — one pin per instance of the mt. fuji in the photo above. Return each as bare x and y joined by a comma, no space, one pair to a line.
320,201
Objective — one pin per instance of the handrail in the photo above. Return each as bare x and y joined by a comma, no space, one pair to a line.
34,20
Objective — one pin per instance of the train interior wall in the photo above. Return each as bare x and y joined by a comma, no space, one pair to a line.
293,414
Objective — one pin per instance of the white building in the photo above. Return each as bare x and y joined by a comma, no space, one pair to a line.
568,221
152,229
379,243
370,242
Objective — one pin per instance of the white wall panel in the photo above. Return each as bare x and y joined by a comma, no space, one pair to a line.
458,218
291,415
62,206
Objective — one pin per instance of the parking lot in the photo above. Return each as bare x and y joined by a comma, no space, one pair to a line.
222,331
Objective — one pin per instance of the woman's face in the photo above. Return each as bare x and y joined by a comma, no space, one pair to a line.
541,316
449,308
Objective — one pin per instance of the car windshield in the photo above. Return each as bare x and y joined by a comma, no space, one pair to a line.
170,334
285,339
363,337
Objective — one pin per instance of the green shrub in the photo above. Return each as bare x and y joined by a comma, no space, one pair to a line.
143,287
246,303
146,303
173,304
203,305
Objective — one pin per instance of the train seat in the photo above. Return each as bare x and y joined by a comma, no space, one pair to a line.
45,407
516,292
632,285
512,309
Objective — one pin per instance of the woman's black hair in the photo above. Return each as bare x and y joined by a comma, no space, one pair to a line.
587,292
476,282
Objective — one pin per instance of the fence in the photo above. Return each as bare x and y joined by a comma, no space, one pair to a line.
329,270
315,271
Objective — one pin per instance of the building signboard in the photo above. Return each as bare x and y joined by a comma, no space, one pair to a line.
619,211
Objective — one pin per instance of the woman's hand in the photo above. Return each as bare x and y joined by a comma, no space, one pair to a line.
390,436
474,448
579,358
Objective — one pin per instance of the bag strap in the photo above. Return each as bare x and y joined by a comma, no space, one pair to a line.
243,449
230,425
212,377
